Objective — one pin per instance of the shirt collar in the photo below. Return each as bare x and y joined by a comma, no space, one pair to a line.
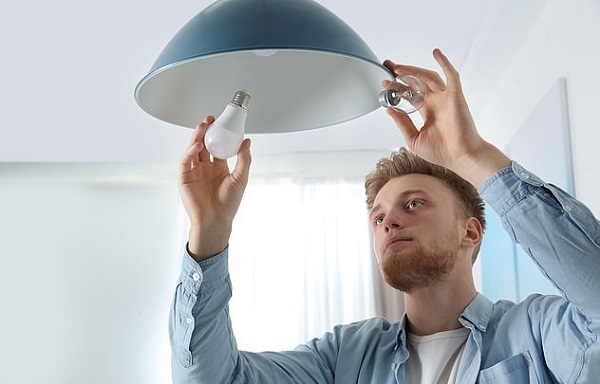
476,316
401,349
478,313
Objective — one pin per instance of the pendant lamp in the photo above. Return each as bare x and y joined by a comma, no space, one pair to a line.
302,65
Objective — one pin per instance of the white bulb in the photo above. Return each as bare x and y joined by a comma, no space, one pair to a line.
222,142
224,137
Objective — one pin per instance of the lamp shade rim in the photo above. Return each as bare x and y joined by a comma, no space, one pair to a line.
167,67
291,90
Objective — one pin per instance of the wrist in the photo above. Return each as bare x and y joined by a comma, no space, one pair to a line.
205,243
480,165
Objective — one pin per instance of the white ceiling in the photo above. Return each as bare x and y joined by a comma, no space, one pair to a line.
69,68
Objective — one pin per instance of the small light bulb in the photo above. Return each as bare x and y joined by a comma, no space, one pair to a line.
224,137
406,94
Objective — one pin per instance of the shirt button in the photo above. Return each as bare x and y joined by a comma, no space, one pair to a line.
568,208
525,175
196,276
189,320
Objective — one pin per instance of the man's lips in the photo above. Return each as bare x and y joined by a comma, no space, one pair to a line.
397,240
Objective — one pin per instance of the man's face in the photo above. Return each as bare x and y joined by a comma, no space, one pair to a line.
416,231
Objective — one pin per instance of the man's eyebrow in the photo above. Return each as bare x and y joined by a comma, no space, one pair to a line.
374,209
415,191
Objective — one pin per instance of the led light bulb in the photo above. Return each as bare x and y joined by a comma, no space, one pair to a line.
224,137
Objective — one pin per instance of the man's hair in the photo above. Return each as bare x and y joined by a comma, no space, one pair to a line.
405,162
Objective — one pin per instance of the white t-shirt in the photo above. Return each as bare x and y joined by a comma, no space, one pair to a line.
433,359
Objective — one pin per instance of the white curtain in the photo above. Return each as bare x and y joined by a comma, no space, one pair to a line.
300,260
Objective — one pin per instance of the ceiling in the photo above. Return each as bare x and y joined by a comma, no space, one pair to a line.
69,69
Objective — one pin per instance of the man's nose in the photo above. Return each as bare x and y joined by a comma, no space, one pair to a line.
391,222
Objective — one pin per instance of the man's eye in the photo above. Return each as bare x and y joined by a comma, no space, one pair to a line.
378,220
414,204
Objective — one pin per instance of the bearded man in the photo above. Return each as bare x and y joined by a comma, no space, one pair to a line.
426,215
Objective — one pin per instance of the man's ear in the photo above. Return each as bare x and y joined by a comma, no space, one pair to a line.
473,232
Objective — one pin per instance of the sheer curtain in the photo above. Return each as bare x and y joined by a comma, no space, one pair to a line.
300,261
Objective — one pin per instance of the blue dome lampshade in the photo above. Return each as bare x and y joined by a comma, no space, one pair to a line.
303,67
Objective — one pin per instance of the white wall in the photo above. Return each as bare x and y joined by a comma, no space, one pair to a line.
88,263
563,42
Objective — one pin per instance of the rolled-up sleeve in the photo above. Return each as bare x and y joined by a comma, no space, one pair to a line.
559,232
204,349
201,339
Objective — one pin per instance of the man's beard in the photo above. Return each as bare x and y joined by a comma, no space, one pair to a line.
419,267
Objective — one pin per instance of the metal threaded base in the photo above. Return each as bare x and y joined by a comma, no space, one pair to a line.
241,99
389,98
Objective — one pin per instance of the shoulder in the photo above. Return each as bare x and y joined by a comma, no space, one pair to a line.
369,327
371,331
542,314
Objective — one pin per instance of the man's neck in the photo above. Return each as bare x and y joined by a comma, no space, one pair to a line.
437,308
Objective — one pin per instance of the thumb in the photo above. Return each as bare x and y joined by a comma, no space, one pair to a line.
405,124
241,169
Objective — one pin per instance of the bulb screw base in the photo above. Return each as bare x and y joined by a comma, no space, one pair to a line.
241,99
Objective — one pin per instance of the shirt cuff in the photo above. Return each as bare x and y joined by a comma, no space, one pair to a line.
206,274
504,189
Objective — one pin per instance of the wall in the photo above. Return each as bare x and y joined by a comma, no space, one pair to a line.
562,43
88,264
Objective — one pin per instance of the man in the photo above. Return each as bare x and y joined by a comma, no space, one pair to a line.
427,224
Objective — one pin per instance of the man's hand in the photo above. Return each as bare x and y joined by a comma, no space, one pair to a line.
211,195
449,136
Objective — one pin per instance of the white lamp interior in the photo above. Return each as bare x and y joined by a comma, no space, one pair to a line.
184,93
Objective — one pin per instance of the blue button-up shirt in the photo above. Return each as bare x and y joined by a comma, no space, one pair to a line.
543,339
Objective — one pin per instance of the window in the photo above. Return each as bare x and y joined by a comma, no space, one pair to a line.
300,261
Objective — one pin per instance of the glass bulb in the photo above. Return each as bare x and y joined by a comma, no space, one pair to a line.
225,135
405,94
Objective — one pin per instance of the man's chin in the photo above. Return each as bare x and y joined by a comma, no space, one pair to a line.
407,276
406,285
397,277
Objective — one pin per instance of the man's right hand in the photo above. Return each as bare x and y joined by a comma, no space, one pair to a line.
210,193
448,137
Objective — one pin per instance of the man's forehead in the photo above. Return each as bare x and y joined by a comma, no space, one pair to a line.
414,180
410,184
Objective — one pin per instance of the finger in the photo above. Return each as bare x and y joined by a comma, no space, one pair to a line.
405,124
389,64
399,86
430,78
194,136
241,169
190,158
200,130
196,139
452,75
204,155
197,135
